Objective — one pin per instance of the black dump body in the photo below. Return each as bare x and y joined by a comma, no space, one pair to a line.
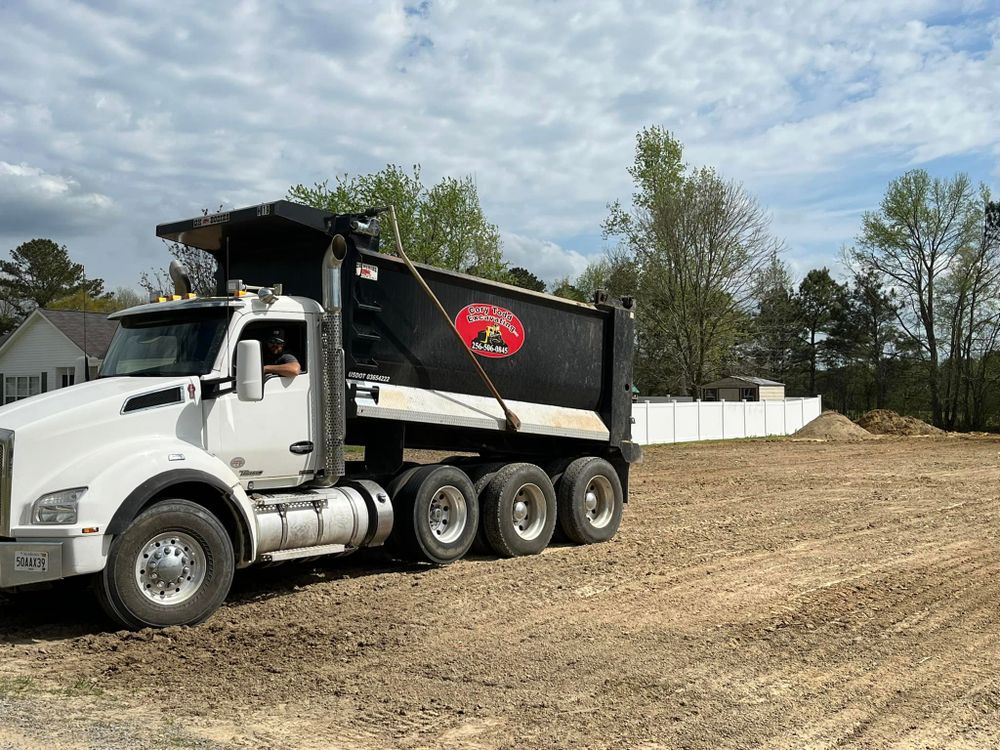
535,347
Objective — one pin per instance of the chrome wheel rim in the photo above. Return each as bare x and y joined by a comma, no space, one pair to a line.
171,568
528,511
447,514
599,502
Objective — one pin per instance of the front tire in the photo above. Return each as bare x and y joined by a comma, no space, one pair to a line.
173,565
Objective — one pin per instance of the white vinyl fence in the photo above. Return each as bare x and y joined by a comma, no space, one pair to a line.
681,422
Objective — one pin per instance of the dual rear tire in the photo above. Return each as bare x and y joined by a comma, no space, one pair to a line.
519,510
508,509
436,513
590,500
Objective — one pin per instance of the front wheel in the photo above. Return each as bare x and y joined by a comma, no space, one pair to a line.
172,566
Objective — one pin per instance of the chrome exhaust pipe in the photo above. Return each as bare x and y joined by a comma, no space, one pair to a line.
333,381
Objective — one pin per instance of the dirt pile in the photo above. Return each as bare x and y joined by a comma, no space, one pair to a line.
832,425
887,422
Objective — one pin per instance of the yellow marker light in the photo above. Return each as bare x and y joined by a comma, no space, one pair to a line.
91,530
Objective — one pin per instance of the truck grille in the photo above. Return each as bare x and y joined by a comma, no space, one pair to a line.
6,466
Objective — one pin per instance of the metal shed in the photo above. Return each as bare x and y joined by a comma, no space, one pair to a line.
743,388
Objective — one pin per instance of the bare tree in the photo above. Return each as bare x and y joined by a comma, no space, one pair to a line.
201,268
972,308
913,241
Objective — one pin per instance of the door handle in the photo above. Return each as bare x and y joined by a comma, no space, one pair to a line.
300,449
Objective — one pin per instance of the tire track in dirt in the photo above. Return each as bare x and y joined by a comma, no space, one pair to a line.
766,594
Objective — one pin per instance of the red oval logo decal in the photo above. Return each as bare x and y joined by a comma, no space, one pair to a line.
489,330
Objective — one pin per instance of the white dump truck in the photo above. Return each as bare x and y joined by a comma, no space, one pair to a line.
183,461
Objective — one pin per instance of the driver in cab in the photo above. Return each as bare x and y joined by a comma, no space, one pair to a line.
276,360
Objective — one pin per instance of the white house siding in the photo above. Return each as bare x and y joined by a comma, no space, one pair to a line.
39,347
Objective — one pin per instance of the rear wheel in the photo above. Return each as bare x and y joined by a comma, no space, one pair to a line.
519,507
590,501
172,566
437,514
481,475
555,469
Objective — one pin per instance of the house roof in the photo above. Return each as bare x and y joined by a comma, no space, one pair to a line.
91,332
746,379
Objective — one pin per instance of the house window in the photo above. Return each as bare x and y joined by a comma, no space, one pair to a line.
17,387
748,394
710,394
66,376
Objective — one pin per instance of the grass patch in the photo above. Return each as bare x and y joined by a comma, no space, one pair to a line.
83,687
16,686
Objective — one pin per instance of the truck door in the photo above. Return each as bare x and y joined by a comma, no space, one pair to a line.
272,442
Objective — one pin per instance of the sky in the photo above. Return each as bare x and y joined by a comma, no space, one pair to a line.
115,117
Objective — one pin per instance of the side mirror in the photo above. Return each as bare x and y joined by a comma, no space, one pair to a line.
249,371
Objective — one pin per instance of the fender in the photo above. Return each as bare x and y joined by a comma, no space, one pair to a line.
133,471
136,499
233,496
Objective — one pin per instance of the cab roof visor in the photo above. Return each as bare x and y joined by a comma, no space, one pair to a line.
279,242
280,221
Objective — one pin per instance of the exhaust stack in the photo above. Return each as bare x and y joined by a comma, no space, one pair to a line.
333,377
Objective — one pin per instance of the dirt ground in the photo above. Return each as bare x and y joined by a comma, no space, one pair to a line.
761,594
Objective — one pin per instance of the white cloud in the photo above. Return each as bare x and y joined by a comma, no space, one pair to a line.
547,260
35,202
166,109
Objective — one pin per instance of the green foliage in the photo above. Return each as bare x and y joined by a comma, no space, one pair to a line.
916,241
82,687
819,302
695,243
442,225
107,303
775,328
564,288
525,279
40,271
863,344
124,297
658,170
614,273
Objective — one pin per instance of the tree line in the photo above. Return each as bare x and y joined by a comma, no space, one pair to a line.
913,326
912,323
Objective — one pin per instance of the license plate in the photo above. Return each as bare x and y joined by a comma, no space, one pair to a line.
32,562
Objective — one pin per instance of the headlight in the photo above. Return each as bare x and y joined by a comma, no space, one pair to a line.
57,507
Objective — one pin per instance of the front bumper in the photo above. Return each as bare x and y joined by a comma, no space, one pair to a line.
24,563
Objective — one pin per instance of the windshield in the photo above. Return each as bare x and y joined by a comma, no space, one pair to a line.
178,343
